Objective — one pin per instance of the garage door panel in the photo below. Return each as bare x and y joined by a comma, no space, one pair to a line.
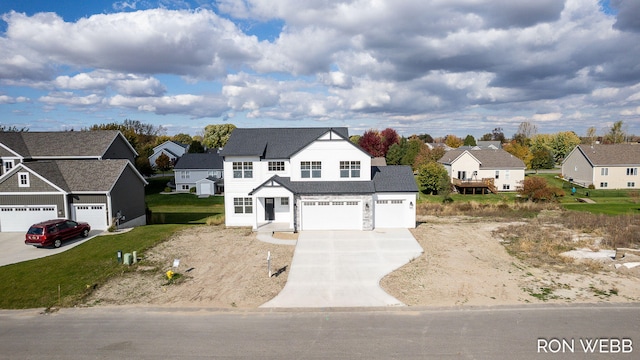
95,215
387,213
20,218
332,215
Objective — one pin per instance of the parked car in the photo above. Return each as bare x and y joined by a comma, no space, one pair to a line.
54,232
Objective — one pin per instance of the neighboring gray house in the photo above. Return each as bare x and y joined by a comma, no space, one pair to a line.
204,172
85,176
612,166
174,150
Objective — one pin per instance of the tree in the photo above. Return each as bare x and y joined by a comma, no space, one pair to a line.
453,141
525,131
433,178
355,139
394,155
427,155
520,151
425,138
537,189
182,138
486,137
389,138
542,159
616,135
591,135
371,142
4,128
412,149
216,136
163,163
195,147
143,166
137,133
498,135
470,141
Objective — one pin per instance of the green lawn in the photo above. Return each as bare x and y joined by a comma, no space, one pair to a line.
35,283
180,208
610,202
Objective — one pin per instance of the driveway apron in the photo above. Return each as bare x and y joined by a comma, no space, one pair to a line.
344,268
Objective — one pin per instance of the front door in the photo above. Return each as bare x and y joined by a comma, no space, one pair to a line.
269,209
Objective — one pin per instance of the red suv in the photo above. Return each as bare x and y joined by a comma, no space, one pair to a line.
54,232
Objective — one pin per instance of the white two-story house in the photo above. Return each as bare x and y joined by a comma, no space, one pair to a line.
312,179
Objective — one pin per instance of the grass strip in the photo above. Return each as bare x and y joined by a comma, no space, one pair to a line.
65,279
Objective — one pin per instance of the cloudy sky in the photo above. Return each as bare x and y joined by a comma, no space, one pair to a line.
419,66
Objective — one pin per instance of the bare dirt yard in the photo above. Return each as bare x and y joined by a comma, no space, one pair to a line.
464,263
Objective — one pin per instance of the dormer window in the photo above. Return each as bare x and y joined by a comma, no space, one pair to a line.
8,165
23,179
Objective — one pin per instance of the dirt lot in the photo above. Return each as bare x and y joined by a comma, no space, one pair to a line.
463,264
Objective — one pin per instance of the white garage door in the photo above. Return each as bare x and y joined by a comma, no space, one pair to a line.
389,213
95,215
331,215
19,218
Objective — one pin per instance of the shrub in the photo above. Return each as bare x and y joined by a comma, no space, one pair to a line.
537,189
215,220
167,189
192,190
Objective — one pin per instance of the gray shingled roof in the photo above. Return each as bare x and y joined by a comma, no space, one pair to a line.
397,178
80,175
489,158
59,144
614,154
274,143
385,179
209,161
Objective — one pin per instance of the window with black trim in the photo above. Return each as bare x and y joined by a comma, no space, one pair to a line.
242,169
243,205
349,169
310,169
23,179
276,165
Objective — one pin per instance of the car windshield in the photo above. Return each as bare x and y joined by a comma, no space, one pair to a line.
35,230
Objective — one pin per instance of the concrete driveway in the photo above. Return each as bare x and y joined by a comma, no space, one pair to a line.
14,250
344,268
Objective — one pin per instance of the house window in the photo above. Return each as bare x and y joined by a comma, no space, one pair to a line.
23,179
631,184
506,187
215,174
243,205
497,174
276,165
284,201
462,175
349,169
8,165
185,187
242,169
604,171
632,171
185,174
310,169
507,175
604,184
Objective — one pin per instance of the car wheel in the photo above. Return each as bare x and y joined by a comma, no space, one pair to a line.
85,233
57,243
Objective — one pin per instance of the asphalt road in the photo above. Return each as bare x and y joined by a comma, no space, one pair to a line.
470,333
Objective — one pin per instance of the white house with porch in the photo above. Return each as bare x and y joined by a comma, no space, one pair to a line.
312,179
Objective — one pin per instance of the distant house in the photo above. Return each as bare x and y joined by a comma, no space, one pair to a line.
495,170
85,176
174,150
604,166
312,179
204,172
494,145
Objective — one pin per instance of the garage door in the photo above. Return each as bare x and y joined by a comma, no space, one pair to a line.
19,218
95,215
331,215
389,213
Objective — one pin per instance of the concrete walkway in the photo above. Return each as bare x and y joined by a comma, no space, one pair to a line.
344,268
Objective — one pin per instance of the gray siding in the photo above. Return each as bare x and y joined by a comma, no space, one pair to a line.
578,168
119,150
88,199
17,200
35,185
127,196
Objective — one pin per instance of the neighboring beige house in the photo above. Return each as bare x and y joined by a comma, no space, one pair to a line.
493,169
604,166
